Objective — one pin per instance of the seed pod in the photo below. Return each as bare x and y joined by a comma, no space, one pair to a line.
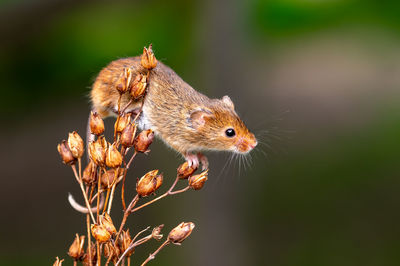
93,258
124,242
107,178
138,87
75,144
181,232
106,221
184,171
97,151
96,124
196,182
113,157
128,135
100,233
143,140
111,251
65,152
122,122
89,175
148,60
149,183
156,233
58,262
76,250
124,80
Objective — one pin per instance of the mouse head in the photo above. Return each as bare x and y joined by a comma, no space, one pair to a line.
219,128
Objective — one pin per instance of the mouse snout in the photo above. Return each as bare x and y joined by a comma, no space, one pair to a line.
246,144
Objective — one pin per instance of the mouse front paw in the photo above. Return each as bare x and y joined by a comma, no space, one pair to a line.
204,161
192,159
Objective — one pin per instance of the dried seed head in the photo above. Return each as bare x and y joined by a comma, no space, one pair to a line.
181,232
100,233
143,140
122,122
97,151
96,124
124,80
65,152
76,250
184,171
111,251
113,157
138,87
107,178
75,144
149,183
93,258
124,242
106,221
128,135
196,182
58,262
89,175
156,234
148,60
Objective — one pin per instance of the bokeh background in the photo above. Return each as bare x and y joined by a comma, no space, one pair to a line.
317,81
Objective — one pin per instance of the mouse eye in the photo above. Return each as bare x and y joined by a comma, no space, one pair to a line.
230,132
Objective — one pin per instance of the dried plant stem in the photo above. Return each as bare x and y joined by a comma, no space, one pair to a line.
169,192
89,239
75,263
83,191
98,253
153,255
119,115
126,214
135,244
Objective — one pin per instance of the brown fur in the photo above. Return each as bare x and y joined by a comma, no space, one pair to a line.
185,119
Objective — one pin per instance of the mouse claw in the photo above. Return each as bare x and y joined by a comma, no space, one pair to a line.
193,160
204,161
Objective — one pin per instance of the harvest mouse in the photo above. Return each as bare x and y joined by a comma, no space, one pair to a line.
186,120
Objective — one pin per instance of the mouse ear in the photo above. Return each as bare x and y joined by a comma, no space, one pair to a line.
228,101
198,117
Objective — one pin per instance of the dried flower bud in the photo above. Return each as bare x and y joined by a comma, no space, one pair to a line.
100,233
143,140
124,242
76,250
90,261
122,122
106,221
89,175
96,124
197,181
75,144
65,152
184,171
181,232
148,60
97,151
138,87
124,80
58,262
113,157
111,251
107,178
128,135
149,183
156,234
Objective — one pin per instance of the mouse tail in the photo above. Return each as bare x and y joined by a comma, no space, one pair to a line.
83,209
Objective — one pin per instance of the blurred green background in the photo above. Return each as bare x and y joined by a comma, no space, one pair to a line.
317,81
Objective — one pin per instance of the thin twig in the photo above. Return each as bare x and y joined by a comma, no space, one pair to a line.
126,214
83,191
153,255
169,192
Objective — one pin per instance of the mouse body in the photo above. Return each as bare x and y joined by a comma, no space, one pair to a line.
185,119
